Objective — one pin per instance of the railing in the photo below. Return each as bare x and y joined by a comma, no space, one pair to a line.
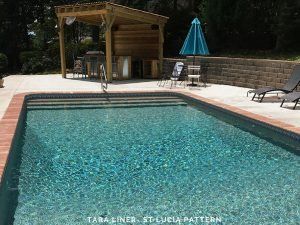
103,78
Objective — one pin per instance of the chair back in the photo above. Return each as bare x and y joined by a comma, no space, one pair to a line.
294,79
177,69
78,66
194,69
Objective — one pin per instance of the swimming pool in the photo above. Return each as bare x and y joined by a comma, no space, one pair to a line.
155,155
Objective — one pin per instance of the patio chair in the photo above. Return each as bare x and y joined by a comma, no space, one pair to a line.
78,67
194,72
175,76
291,97
290,86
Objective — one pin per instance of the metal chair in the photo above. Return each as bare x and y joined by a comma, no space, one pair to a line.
194,72
176,76
78,67
178,68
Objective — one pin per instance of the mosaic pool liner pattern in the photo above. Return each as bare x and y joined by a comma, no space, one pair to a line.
235,183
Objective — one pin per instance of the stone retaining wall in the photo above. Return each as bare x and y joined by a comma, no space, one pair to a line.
250,73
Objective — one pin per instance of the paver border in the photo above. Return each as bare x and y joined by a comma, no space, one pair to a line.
12,117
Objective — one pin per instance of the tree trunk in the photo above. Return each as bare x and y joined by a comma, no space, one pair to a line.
191,4
175,5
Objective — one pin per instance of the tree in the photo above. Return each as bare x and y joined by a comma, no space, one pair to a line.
228,24
288,26
15,16
252,24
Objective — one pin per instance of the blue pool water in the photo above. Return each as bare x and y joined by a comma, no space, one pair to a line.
151,161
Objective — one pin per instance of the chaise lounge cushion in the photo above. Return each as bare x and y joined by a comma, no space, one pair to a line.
291,96
262,90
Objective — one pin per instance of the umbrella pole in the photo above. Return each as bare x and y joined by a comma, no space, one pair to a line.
193,71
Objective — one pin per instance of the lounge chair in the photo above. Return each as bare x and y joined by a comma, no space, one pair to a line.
174,77
290,86
291,97
176,74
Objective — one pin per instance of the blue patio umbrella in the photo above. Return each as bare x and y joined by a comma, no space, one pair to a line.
195,43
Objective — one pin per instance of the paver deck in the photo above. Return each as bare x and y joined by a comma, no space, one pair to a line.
230,95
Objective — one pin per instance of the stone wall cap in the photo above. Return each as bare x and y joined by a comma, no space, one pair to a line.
246,59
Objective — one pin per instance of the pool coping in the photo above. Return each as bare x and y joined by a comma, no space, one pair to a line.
11,119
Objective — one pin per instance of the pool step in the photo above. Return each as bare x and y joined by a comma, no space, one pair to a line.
101,102
103,98
96,106
112,102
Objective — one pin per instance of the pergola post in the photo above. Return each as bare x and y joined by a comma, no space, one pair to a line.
161,47
108,54
109,20
61,33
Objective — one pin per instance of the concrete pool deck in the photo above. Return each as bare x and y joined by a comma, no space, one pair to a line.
229,95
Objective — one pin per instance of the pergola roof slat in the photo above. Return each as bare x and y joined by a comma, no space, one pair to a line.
102,8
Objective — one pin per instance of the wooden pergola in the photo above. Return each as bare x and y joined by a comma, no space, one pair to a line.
128,31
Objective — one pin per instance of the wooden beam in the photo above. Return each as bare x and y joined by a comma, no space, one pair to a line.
109,20
83,13
87,21
137,14
61,33
134,46
95,5
134,27
136,17
161,48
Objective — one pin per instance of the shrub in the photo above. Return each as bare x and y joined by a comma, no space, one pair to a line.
28,55
31,62
49,60
37,62
75,50
52,56
3,64
87,45
32,66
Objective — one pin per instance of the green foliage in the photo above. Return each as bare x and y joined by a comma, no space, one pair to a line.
27,55
41,34
29,27
288,27
240,24
253,25
74,50
3,63
84,46
31,62
40,61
